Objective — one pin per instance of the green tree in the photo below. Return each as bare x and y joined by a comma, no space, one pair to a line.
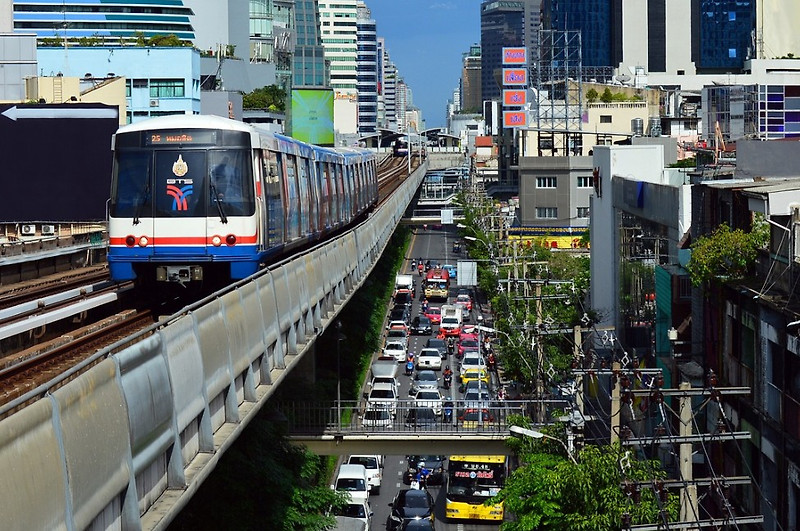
607,97
591,95
726,254
549,492
271,97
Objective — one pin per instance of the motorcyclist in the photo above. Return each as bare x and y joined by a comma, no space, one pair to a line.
448,377
422,474
491,361
424,305
413,264
409,367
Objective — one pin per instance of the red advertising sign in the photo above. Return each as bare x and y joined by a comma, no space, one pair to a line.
515,76
515,119
515,56
512,98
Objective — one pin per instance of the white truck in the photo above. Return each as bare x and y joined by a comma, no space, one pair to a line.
404,283
452,319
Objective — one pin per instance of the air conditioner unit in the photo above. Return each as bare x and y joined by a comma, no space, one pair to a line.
48,230
28,230
153,103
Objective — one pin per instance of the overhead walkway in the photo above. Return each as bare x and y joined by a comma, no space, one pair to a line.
329,430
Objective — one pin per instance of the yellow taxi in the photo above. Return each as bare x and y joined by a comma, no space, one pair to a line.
474,374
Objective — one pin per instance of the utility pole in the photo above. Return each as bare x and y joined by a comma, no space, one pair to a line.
615,409
689,493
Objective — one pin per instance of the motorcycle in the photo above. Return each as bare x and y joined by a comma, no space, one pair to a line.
413,265
409,368
420,268
491,362
447,412
448,380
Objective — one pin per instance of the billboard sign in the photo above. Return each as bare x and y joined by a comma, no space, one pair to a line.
515,56
515,76
312,116
515,119
515,98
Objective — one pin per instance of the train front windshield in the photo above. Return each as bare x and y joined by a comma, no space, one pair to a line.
174,183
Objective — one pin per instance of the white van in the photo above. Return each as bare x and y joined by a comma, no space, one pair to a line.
353,479
373,464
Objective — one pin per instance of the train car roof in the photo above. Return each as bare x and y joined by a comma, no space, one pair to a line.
187,121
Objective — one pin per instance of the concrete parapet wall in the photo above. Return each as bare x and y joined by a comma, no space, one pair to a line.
127,443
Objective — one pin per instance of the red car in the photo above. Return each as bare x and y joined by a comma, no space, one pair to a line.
466,299
467,342
434,313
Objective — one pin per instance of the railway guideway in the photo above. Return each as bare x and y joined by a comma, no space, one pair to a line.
156,416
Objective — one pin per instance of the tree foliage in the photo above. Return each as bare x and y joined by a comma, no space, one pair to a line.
725,253
607,96
549,492
271,97
591,95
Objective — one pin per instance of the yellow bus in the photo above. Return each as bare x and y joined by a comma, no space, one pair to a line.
437,284
471,480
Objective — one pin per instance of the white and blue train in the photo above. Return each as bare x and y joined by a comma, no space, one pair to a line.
202,197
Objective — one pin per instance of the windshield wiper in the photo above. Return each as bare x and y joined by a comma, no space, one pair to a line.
144,200
222,217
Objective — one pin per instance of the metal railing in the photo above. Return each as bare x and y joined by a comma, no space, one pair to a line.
363,417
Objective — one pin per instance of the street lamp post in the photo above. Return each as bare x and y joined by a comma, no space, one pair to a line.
339,338
519,430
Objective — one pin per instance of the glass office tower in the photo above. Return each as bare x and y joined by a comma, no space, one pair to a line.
725,34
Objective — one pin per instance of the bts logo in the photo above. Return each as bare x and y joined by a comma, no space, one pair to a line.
179,190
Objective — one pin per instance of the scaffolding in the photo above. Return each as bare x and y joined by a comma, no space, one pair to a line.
558,101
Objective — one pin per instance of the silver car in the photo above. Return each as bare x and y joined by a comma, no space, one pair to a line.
424,380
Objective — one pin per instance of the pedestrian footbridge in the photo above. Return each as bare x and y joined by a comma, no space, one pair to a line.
355,428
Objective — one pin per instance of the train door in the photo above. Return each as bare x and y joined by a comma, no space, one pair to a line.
304,193
341,189
324,195
180,206
292,206
273,209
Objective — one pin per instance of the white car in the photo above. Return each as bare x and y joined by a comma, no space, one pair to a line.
383,395
473,361
358,510
431,398
374,469
429,358
397,334
395,349
377,416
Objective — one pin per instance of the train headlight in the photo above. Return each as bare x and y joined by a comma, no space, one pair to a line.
230,239
216,241
130,241
143,241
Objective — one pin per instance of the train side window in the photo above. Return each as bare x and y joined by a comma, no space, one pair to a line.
132,192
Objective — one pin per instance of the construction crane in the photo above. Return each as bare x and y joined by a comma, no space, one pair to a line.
719,142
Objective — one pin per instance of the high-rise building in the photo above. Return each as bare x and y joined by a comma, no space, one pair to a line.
471,96
390,80
309,68
107,21
367,72
502,25
726,30
339,31
593,18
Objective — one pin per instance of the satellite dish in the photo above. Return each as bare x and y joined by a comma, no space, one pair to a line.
623,78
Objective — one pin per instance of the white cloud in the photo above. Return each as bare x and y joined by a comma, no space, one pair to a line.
443,5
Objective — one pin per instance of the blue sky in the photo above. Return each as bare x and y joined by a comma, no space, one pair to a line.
425,39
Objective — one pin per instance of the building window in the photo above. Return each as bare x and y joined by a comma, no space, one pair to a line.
684,288
167,88
128,88
547,212
583,212
546,182
139,83
605,118
584,181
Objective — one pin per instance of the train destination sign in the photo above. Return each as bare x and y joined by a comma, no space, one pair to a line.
515,76
192,136
515,56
